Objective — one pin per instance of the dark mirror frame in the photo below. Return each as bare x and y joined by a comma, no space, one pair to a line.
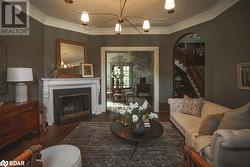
63,73
3,68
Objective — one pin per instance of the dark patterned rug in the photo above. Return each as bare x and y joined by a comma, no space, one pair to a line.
99,147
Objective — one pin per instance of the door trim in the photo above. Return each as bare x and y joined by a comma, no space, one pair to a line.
155,51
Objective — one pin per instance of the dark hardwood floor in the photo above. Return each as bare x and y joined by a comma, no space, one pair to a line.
55,134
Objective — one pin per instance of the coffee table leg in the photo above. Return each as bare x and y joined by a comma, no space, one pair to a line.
136,144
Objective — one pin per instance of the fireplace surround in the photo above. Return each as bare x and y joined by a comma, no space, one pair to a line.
48,86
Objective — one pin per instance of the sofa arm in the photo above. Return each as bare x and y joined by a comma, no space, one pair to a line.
193,158
175,104
229,147
233,139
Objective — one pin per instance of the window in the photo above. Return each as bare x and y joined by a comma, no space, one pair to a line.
117,70
126,74
126,71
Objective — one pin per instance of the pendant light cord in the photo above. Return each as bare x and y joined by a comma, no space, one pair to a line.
122,9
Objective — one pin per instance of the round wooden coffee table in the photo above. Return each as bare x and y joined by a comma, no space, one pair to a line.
125,133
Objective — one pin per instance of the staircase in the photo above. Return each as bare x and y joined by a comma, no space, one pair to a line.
180,65
192,77
194,86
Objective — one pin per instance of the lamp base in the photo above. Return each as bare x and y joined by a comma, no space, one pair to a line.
21,93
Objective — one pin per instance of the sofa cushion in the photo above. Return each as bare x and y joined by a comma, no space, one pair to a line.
189,123
209,108
192,106
210,124
236,119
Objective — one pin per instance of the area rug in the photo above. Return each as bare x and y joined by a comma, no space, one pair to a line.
100,148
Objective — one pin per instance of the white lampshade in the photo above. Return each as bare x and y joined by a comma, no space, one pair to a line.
118,28
169,4
146,25
85,17
19,74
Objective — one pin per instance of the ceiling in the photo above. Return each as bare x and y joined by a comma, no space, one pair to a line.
149,8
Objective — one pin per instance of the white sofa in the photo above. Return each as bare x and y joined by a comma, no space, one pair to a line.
225,148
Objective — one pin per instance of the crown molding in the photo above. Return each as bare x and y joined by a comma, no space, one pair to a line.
210,14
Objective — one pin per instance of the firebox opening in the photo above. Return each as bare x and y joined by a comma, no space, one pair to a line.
71,105
74,106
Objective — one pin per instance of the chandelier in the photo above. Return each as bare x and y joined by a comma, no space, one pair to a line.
121,18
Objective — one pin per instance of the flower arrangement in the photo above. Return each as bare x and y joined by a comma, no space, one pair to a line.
136,112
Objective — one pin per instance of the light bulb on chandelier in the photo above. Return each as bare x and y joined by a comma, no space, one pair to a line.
118,28
146,26
169,6
85,18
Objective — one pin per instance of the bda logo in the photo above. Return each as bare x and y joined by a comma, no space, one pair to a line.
4,163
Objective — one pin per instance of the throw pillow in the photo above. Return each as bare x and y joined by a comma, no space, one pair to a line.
192,106
236,119
210,124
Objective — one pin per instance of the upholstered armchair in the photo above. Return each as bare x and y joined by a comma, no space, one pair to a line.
31,157
62,155
229,148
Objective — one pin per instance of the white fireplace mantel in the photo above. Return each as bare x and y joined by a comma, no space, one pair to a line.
47,85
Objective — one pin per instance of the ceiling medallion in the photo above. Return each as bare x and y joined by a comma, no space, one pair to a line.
169,6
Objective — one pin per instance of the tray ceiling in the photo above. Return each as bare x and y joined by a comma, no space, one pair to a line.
184,10
153,8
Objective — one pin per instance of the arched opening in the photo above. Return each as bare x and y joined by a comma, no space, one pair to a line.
189,66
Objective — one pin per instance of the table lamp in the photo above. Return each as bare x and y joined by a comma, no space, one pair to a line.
20,76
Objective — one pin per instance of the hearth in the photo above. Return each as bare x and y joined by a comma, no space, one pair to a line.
71,104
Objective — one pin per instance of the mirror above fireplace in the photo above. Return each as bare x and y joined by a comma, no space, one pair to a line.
70,56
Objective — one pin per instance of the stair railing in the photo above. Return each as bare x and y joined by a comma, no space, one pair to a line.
196,78
181,55
189,90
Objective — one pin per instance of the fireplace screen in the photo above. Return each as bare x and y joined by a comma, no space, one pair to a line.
74,106
70,105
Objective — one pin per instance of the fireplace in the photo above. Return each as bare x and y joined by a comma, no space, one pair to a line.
49,85
71,104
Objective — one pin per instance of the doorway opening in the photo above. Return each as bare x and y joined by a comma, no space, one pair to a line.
131,75
129,78
189,66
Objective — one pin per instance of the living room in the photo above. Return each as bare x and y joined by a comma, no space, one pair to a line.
32,60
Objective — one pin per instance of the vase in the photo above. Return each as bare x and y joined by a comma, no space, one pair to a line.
123,120
138,127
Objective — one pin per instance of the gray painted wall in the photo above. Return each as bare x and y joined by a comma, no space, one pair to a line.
227,43
26,51
226,38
